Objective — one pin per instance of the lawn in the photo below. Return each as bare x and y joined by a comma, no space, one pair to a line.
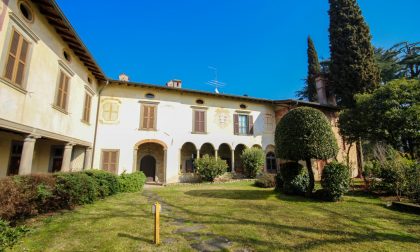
233,217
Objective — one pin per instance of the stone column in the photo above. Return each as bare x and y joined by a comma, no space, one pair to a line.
165,153
233,161
216,154
134,167
198,154
25,167
87,164
65,165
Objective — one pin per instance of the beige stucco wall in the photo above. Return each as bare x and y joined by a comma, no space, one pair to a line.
174,124
33,106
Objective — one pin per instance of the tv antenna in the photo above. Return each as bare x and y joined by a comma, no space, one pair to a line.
215,83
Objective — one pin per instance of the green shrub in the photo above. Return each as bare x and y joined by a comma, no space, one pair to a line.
210,167
413,182
10,235
253,161
131,182
295,178
335,181
279,182
106,182
24,196
75,189
266,180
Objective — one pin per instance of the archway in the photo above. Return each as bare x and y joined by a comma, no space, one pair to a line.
225,153
238,160
149,154
207,149
270,162
257,146
188,155
148,167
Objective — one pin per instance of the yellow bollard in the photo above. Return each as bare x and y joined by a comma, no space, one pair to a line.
157,224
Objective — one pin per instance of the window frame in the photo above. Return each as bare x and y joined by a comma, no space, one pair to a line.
194,129
143,106
57,106
12,82
102,111
117,151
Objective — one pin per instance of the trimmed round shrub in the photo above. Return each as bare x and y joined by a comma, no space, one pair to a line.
209,167
253,161
131,182
76,188
265,180
335,181
295,178
106,182
279,182
303,134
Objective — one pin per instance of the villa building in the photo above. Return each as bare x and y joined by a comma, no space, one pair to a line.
59,112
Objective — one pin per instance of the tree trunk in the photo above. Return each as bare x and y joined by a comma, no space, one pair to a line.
359,159
311,177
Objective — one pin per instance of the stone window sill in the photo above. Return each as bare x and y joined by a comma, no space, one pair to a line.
60,109
14,86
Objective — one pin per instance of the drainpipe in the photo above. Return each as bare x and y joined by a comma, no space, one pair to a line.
96,123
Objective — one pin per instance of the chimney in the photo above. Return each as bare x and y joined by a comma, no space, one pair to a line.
325,96
174,84
123,77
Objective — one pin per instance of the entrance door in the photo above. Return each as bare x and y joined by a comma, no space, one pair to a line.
56,160
148,167
15,155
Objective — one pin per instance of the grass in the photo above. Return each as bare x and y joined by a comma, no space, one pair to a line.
250,217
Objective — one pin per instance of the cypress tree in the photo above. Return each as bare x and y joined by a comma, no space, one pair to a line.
314,68
353,68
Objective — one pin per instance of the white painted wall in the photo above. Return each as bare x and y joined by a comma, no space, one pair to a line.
34,108
174,124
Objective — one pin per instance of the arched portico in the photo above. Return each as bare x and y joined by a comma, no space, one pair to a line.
207,149
225,153
188,155
238,164
150,157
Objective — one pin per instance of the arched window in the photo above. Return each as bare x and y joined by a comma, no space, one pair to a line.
270,160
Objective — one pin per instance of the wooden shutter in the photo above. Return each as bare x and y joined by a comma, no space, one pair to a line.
151,124
149,117
16,60
145,117
86,109
110,160
196,120
62,91
250,125
199,121
236,124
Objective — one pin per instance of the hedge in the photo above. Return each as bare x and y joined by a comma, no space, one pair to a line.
295,178
25,196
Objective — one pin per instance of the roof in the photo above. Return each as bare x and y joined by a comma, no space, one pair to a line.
65,30
288,102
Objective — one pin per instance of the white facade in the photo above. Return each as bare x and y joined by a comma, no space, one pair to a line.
39,136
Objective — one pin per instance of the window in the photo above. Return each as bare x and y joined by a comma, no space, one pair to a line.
62,91
269,124
86,107
243,106
270,161
67,56
150,96
56,161
243,124
148,119
26,11
16,59
15,155
199,101
110,111
199,118
110,160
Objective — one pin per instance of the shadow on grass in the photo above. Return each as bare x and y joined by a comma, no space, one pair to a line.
136,238
231,194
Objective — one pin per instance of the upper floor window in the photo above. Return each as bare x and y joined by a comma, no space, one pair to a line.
199,119
110,111
269,122
61,99
86,107
243,124
148,117
16,59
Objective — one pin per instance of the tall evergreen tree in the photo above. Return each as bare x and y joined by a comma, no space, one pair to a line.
314,68
353,68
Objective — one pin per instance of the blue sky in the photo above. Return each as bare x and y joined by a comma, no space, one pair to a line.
258,46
